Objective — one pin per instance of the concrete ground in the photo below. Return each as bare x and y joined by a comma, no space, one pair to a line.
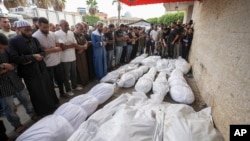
197,105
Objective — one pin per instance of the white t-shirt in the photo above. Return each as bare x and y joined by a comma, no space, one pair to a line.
154,34
8,34
68,38
48,41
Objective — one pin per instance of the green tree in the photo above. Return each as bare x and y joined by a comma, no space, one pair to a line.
167,18
153,20
91,19
92,6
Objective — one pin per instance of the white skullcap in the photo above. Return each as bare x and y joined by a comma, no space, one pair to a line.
23,23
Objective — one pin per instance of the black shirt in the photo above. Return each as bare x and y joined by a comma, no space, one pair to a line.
109,36
172,35
130,36
165,35
119,33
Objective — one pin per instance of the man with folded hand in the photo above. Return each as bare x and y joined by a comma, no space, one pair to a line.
26,52
52,51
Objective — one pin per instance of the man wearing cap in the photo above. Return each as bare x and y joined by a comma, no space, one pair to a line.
99,51
26,52
110,45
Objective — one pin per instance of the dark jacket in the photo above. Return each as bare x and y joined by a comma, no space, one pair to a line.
21,51
10,83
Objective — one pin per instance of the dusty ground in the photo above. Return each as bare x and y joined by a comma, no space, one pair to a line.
197,105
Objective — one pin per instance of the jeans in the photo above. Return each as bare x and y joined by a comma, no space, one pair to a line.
129,51
56,73
141,50
69,69
9,109
110,55
118,50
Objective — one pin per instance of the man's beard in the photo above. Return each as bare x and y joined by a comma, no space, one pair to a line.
100,30
45,32
25,35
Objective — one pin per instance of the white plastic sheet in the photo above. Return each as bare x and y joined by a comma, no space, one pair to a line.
160,88
102,91
117,128
162,78
171,66
145,83
74,114
138,59
69,116
86,101
183,123
113,76
180,91
151,61
182,65
50,128
88,129
128,79
143,126
135,118
162,65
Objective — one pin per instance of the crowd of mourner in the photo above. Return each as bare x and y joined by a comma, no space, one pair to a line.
36,58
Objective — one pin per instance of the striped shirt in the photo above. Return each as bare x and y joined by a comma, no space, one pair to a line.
10,83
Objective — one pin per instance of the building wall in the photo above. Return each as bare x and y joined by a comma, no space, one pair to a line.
220,58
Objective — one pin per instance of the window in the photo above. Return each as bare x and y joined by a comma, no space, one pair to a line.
20,9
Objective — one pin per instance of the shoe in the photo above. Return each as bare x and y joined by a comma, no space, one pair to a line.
35,118
70,93
15,107
55,85
11,139
78,88
65,95
20,129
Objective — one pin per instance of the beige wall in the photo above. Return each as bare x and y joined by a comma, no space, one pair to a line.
220,58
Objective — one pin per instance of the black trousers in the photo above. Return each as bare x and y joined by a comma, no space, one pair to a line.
124,53
134,51
89,55
185,52
170,50
150,47
3,136
56,74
